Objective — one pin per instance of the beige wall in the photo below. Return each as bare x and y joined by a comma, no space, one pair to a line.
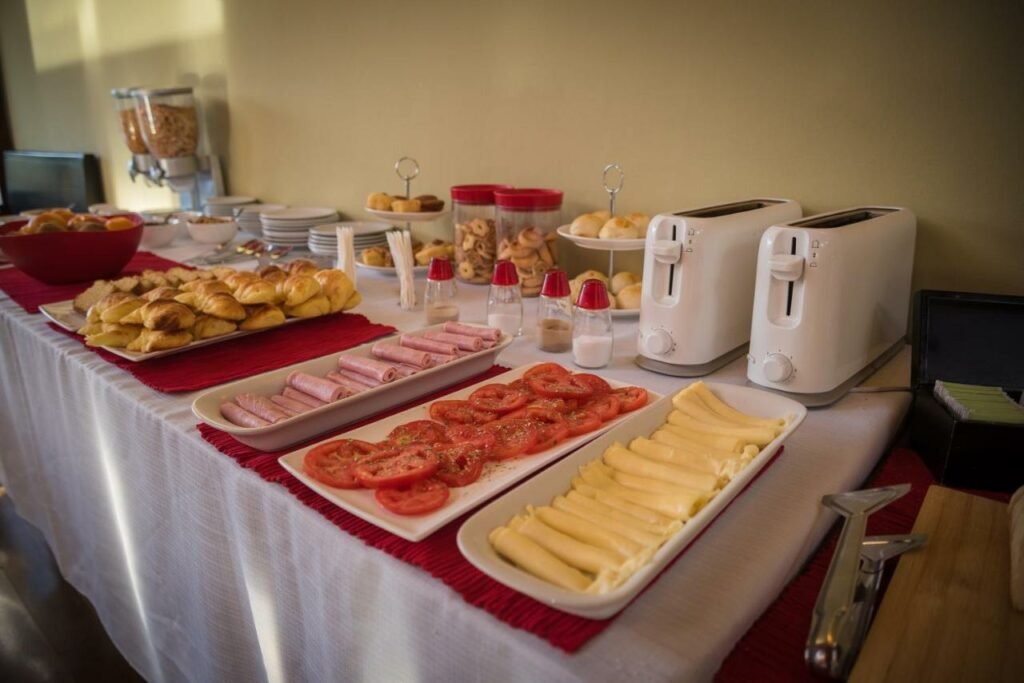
918,104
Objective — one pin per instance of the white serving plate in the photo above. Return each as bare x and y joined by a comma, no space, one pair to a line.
390,270
359,228
540,490
346,411
361,503
407,216
63,314
300,214
603,245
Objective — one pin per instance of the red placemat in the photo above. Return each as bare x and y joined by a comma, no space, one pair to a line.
30,293
216,364
438,554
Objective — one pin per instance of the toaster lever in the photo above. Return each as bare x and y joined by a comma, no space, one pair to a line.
667,251
786,266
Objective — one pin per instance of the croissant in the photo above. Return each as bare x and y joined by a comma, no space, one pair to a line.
297,289
222,272
257,292
114,334
187,298
167,316
353,301
236,280
133,318
158,340
207,326
223,306
311,308
262,316
160,293
302,266
113,307
183,274
336,286
272,274
90,328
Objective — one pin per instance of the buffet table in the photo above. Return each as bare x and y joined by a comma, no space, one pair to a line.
200,570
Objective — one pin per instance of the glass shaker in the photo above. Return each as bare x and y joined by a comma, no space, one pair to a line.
505,301
592,326
554,313
439,298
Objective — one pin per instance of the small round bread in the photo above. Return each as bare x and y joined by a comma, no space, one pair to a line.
406,206
623,280
640,220
592,275
262,316
603,215
168,316
618,228
379,201
629,297
587,225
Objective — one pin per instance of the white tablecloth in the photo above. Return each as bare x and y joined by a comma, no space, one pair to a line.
202,571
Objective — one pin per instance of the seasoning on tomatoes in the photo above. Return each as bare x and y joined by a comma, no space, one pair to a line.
513,436
631,398
482,440
459,412
598,386
606,407
497,398
423,496
395,471
552,428
461,464
582,421
556,386
418,431
332,463
545,369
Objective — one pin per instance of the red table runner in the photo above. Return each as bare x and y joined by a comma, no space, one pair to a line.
30,293
438,554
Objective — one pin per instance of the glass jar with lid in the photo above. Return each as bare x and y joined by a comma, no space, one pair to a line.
527,223
124,104
474,216
170,124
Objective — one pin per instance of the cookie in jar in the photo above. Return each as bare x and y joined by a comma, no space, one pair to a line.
526,233
475,229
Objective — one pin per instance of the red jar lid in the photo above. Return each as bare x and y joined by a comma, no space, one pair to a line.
476,194
505,274
529,198
593,296
440,269
556,284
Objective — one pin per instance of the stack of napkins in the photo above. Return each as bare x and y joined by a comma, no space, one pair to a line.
979,404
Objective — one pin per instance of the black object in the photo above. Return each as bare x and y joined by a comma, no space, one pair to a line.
972,339
40,180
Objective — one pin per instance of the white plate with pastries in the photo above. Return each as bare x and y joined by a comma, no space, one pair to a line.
611,590
407,216
599,244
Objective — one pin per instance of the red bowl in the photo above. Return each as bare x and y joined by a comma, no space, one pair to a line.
59,258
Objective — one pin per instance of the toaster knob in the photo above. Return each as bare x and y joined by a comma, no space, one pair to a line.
777,368
658,342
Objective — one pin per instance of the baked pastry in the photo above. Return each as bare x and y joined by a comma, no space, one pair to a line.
629,297
302,266
377,256
158,340
237,279
208,326
353,301
161,293
167,316
406,206
262,316
223,306
90,328
311,308
297,289
429,202
128,283
622,280
640,220
187,298
115,306
603,215
618,228
336,286
115,335
183,274
272,274
133,318
97,291
379,201
257,292
587,225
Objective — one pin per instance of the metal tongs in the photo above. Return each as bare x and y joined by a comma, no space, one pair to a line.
846,602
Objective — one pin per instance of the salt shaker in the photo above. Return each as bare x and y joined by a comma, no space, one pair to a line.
439,297
554,313
592,326
505,301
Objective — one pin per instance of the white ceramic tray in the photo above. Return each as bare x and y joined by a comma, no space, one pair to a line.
346,411
63,314
557,480
361,503
603,245
407,216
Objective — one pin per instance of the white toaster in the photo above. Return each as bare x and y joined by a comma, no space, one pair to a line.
698,284
832,299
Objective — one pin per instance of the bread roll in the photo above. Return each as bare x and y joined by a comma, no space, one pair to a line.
603,215
587,225
640,220
257,292
207,326
262,316
629,297
223,306
379,201
406,206
168,316
311,308
623,280
618,228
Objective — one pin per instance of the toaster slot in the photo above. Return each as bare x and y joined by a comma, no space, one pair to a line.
789,290
729,209
672,267
843,218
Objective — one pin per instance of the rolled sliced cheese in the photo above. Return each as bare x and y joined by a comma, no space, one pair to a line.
588,532
668,505
756,435
573,552
640,512
631,463
680,437
529,556
722,408
631,531
661,452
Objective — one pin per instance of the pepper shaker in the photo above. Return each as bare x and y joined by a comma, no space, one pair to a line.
554,313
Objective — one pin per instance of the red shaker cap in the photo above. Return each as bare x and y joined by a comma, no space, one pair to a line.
593,295
505,274
476,194
440,269
528,198
556,284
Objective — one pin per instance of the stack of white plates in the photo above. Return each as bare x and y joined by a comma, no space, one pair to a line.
323,239
290,227
248,216
225,205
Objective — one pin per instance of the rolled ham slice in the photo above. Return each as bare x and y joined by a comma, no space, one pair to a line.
428,345
402,369
349,385
489,333
401,354
368,367
462,341
317,387
261,407
442,358
290,404
362,379
238,415
295,394
489,344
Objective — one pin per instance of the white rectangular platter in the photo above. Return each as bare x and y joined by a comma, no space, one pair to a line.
540,490
346,411
63,314
361,503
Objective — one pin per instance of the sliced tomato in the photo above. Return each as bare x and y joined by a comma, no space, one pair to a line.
521,386
497,398
554,386
552,428
461,464
514,436
425,495
559,405
482,440
598,386
397,470
332,463
418,431
459,412
606,407
631,398
545,369
582,422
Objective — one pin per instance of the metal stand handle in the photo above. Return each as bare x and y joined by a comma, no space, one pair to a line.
613,189
407,178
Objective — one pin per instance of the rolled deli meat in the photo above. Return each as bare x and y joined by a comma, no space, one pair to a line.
428,345
463,341
293,393
350,385
489,333
238,415
368,382
262,407
401,354
368,367
317,387
290,404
